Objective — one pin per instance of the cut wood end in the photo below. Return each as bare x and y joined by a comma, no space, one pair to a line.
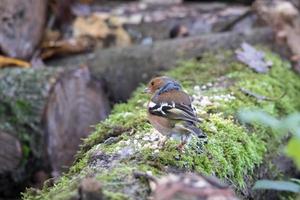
76,102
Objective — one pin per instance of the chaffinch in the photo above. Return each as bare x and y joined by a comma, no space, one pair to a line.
170,109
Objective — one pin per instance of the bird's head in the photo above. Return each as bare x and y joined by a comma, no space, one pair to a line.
161,84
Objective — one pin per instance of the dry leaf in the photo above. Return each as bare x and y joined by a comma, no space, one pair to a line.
253,58
68,46
122,37
119,35
93,26
51,36
7,62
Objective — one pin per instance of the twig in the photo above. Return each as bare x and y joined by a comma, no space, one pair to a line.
261,97
231,24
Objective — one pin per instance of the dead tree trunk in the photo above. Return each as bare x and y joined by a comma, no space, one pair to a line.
68,102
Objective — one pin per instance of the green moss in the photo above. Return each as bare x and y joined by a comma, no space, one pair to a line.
193,72
280,81
79,165
129,118
112,175
115,195
232,151
64,189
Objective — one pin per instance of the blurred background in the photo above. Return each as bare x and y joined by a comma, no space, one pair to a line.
65,63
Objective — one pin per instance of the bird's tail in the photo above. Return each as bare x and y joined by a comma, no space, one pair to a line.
195,130
189,128
198,132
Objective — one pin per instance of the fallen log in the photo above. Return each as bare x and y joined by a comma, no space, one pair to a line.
126,143
67,102
194,17
124,68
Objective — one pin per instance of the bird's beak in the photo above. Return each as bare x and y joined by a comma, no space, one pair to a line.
146,90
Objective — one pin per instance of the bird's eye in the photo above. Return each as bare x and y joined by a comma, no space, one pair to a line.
152,83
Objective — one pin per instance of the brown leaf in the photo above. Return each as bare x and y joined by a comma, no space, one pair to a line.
253,58
68,46
7,62
122,37
93,26
50,36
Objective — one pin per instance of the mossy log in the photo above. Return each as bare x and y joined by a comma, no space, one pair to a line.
44,113
125,68
126,143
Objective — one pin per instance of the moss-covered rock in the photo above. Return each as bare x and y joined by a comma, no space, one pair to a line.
126,142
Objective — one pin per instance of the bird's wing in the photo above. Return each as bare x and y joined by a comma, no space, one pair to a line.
172,110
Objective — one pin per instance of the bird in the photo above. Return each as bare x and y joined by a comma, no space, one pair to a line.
170,110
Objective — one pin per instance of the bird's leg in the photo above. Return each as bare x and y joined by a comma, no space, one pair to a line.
180,147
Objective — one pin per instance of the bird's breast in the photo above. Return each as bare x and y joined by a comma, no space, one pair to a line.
163,125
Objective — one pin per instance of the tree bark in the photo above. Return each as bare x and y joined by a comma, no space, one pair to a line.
10,152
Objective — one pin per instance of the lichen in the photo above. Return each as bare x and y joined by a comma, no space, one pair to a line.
126,142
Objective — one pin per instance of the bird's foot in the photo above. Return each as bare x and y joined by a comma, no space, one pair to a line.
180,147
